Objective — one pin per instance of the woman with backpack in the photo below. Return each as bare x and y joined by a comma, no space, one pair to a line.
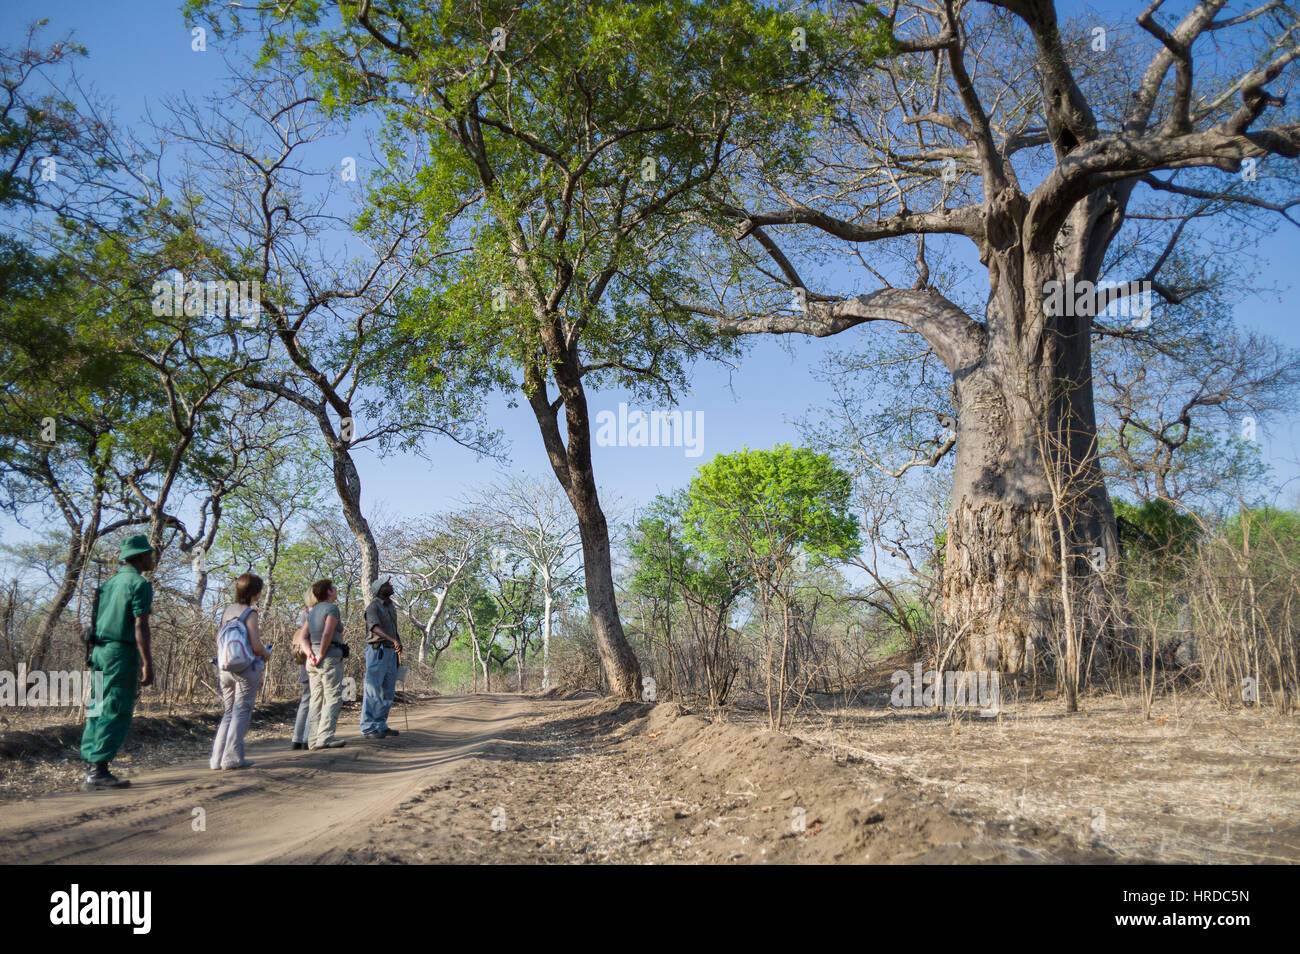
301,648
238,687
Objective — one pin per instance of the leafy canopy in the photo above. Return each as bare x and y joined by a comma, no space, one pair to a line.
758,506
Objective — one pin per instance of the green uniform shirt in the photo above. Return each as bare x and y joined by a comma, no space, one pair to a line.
125,596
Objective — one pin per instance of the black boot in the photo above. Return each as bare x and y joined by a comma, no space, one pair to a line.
100,777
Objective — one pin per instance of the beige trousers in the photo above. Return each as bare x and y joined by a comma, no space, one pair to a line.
326,700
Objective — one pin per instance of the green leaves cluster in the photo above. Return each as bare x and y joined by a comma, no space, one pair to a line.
666,561
1155,529
526,135
759,506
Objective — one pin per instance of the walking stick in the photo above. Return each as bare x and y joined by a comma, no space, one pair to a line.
406,718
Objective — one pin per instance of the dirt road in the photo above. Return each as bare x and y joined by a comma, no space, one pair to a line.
504,779
291,807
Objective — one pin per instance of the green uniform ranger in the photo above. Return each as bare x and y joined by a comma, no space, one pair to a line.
121,653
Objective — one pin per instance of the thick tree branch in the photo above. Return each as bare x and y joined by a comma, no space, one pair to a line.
967,221
957,339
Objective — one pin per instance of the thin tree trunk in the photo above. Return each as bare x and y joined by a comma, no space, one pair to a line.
347,482
547,604
426,630
572,465
73,564
785,650
1067,609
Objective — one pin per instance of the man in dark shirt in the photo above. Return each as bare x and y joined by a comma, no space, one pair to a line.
121,652
382,649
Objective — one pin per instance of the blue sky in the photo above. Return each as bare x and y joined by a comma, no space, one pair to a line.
140,51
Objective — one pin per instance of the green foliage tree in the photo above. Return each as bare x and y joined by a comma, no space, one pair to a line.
1155,529
500,602
264,513
669,570
761,506
769,510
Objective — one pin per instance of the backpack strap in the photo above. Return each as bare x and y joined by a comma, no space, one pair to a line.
245,613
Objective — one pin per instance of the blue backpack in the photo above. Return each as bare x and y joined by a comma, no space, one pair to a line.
234,651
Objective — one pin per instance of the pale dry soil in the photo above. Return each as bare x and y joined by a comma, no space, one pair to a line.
506,778
1192,784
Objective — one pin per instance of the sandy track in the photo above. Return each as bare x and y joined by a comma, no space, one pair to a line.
291,807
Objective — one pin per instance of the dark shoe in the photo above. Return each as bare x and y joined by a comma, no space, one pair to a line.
334,744
391,732
299,745
372,735
100,777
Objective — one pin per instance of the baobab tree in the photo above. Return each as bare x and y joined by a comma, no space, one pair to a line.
1062,153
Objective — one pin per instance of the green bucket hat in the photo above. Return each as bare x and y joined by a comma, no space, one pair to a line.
134,545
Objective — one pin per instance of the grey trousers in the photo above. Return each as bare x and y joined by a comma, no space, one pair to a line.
238,693
326,699
304,707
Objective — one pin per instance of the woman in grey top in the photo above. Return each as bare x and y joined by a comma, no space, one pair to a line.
324,667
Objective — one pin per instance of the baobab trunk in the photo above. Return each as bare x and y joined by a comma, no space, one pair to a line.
999,578
1027,405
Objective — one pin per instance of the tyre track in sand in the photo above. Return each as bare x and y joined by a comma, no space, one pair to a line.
290,807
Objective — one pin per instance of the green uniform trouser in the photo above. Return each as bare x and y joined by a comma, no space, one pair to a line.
105,733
